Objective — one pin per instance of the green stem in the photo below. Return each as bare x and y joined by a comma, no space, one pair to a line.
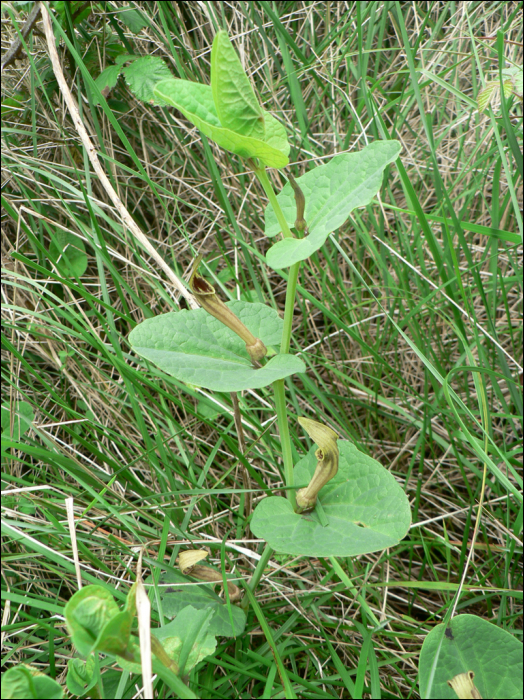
280,404
279,389
279,386
290,305
270,192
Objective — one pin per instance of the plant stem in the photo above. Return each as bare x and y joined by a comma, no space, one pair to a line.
270,192
290,304
279,386
280,399
279,389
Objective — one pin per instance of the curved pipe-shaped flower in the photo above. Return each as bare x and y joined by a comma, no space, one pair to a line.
187,562
327,465
208,299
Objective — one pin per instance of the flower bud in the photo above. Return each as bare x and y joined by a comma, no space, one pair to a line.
208,299
300,222
327,464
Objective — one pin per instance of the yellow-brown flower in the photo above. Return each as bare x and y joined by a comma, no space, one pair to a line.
327,465
208,299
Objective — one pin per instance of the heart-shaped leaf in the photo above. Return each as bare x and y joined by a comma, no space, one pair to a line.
366,510
276,140
196,103
179,594
68,252
198,349
25,681
235,100
186,641
133,19
470,643
332,191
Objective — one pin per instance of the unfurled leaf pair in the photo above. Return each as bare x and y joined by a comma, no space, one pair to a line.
512,84
227,111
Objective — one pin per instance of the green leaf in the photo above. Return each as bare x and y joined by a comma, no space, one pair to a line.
332,191
132,662
470,643
107,79
191,628
132,19
209,410
235,100
22,419
176,597
196,103
24,681
276,138
59,7
514,73
68,253
484,96
87,613
81,676
365,508
187,640
14,104
114,637
125,58
198,349
143,74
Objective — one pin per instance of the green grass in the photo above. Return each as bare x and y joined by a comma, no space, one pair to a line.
410,314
